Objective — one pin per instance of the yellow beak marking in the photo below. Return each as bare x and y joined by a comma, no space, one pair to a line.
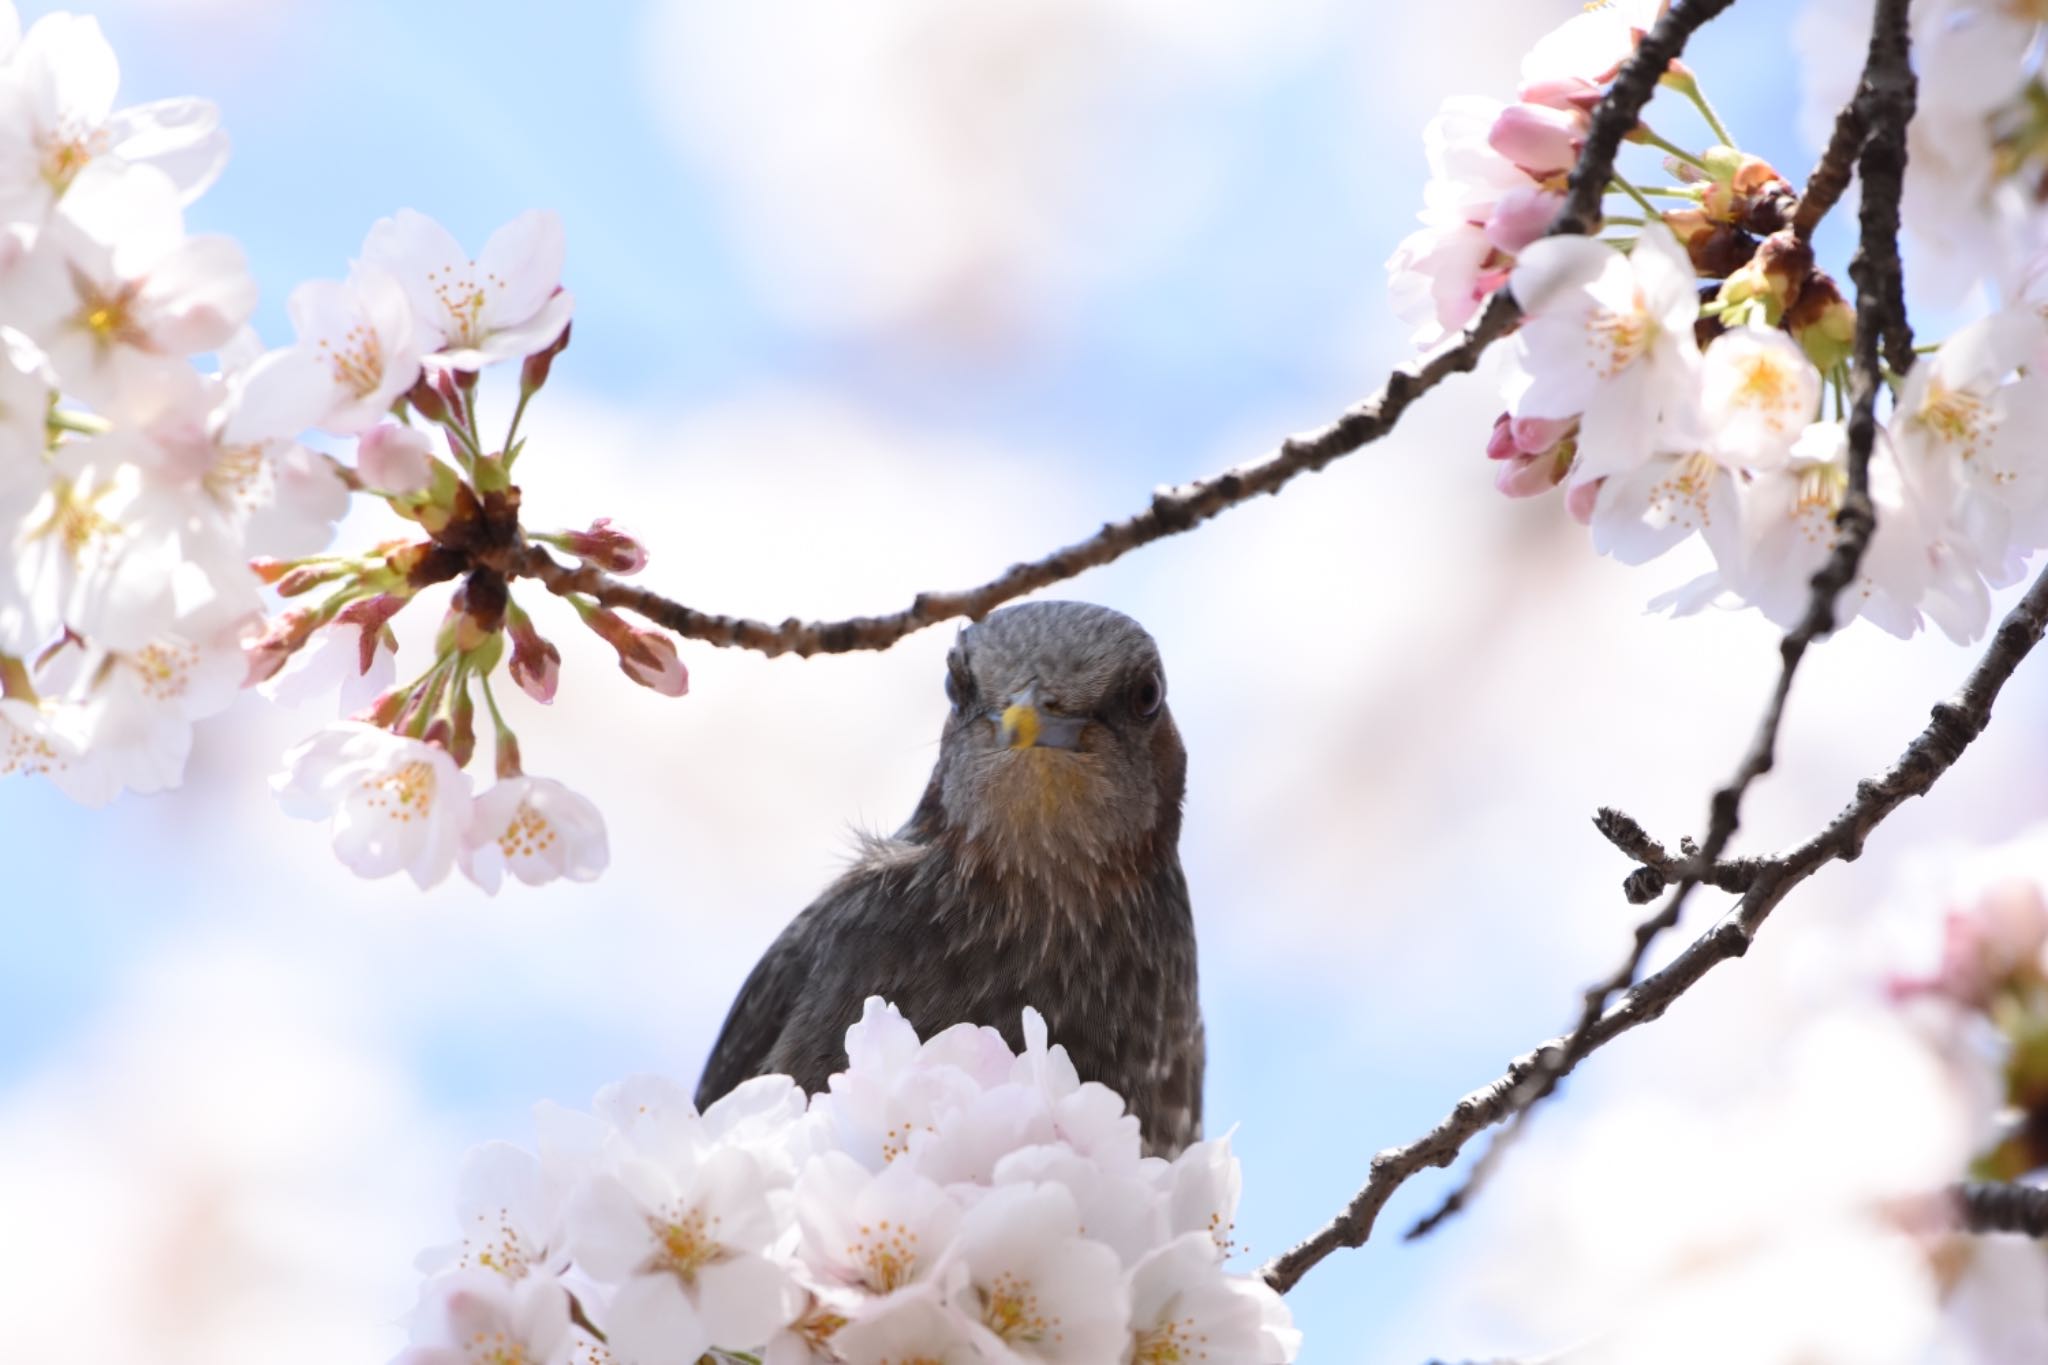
1020,725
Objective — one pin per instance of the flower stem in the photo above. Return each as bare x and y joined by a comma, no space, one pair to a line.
1643,131
78,423
1690,88
1621,183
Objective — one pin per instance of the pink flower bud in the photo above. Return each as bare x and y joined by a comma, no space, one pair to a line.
1540,435
1579,500
1525,475
533,371
268,652
536,664
395,459
1540,139
1500,443
1574,93
647,657
1522,216
372,615
605,547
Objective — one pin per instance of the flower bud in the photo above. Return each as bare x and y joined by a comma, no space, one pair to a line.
533,371
281,638
268,570
372,616
1540,139
1770,283
461,743
536,664
426,400
603,546
647,657
1500,445
1715,249
395,459
303,578
385,709
1580,498
1522,216
1563,92
1824,323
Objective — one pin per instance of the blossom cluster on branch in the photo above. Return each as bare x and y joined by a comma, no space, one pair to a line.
1684,373
946,1200
146,502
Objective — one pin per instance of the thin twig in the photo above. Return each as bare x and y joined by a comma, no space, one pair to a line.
1999,1207
1953,725
1171,512
1886,98
1832,173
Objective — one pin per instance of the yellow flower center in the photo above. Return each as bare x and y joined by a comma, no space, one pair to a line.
528,835
74,520
1173,1342
1768,384
1955,416
686,1244
63,154
495,1348
404,795
357,362
887,1255
1622,338
1009,1308
462,296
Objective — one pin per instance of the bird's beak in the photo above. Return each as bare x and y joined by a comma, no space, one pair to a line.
1023,726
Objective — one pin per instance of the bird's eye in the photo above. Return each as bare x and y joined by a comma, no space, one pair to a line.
957,688
1149,695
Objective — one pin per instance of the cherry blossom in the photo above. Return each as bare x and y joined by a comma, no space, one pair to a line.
1607,339
682,1233
1183,1306
57,117
1031,1285
131,712
505,304
361,337
1967,432
476,1317
117,295
1590,46
536,829
395,803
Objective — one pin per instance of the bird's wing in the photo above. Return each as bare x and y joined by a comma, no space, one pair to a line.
759,1013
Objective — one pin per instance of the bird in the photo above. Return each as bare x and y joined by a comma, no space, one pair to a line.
1041,867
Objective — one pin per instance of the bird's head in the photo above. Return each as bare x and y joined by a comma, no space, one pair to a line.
1060,749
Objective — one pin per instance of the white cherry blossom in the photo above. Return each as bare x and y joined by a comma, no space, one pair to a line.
1607,338
29,742
116,294
1758,391
1591,45
361,337
476,1317
131,715
878,1232
536,829
97,551
506,303
395,803
57,117
1183,1307
911,1328
682,1232
1967,430
1031,1285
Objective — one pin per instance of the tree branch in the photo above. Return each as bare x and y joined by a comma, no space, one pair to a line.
1883,106
1178,509
2001,1208
1171,512
1953,725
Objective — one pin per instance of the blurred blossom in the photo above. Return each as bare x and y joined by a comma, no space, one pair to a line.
920,162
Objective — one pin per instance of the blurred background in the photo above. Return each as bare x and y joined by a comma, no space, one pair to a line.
879,298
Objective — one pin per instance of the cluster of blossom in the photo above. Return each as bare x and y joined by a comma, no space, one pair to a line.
144,502
947,1200
1989,997
1672,374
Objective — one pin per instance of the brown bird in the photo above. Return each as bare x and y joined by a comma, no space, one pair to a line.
1041,868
